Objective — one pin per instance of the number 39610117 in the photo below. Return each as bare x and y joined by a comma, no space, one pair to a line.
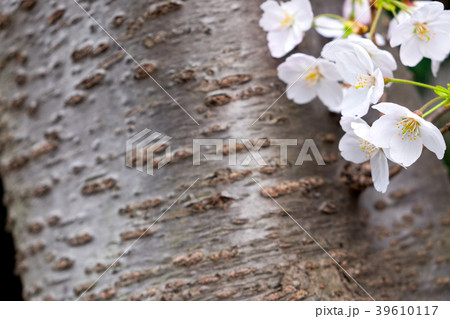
406,310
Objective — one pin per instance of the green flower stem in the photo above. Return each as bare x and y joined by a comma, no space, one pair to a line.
435,108
429,103
401,6
375,21
388,80
352,14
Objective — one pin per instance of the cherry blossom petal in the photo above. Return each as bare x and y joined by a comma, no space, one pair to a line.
270,6
432,138
349,72
401,17
378,88
428,12
365,43
404,150
329,69
379,38
402,33
385,62
410,53
382,59
272,16
352,63
331,48
282,42
383,130
435,66
303,61
361,129
329,27
443,23
437,48
350,147
288,74
380,171
391,108
295,66
356,102
303,13
346,123
301,93
330,93
364,59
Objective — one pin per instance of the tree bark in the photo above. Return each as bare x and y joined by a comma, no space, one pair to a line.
70,100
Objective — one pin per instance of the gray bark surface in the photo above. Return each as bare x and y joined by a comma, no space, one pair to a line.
71,98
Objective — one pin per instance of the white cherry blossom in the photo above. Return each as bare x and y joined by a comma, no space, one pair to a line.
405,133
403,16
366,82
358,147
424,34
286,24
308,77
381,59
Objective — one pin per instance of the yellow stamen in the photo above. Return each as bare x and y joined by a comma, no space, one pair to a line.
363,81
423,32
409,128
288,20
313,76
367,148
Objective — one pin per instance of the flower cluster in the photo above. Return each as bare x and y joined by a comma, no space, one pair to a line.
425,33
352,72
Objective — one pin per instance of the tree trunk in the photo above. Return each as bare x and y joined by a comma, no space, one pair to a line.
70,100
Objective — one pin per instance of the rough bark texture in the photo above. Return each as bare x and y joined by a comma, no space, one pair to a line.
70,100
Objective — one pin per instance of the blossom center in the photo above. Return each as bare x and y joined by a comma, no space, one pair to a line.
409,128
363,81
423,32
312,77
367,148
288,20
